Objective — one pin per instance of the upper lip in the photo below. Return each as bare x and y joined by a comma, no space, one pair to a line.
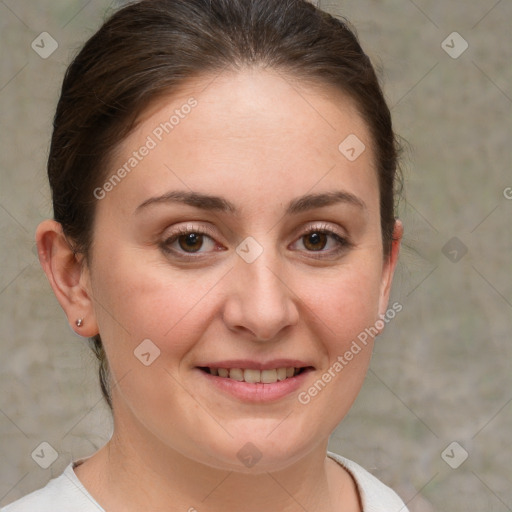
248,364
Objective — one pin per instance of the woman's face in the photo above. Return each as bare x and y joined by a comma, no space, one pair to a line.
250,289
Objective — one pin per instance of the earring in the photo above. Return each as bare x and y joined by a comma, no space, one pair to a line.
79,322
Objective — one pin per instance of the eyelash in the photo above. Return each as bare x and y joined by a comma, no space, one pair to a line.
343,243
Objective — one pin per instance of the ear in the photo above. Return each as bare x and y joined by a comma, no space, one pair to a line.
68,275
388,268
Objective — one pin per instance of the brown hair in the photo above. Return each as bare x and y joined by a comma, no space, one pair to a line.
149,48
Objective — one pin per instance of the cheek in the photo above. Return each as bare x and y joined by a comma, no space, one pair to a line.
345,306
169,308
139,300
345,302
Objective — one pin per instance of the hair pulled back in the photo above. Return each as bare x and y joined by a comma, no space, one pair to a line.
150,48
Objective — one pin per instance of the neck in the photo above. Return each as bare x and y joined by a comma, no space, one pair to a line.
132,473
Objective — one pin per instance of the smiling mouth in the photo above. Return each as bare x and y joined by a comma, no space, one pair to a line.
256,376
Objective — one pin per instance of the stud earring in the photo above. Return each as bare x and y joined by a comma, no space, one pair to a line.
79,322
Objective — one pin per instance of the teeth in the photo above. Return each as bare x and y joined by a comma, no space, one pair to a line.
268,376
255,376
236,374
250,375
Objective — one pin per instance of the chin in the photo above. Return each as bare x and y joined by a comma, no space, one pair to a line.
254,453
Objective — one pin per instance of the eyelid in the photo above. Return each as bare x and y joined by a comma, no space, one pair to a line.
175,233
342,240
203,229
322,226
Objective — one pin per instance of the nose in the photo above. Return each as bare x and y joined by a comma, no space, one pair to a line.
260,302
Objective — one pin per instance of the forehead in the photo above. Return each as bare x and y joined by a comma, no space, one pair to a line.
252,130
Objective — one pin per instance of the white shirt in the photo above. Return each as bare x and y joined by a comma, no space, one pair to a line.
67,494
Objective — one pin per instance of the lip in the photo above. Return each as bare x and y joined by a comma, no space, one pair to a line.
257,392
248,364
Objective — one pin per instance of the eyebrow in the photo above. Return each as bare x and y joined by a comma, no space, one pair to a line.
220,204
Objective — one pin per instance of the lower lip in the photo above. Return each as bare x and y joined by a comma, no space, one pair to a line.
257,392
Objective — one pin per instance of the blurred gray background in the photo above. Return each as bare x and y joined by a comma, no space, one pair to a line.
441,372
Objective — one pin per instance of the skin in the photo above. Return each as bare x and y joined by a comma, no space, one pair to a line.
258,139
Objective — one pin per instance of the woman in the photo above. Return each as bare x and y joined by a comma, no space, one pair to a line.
223,178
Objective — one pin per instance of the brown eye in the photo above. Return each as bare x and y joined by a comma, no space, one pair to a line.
191,242
323,241
315,241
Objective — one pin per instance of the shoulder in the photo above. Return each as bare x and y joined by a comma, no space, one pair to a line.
375,495
62,494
